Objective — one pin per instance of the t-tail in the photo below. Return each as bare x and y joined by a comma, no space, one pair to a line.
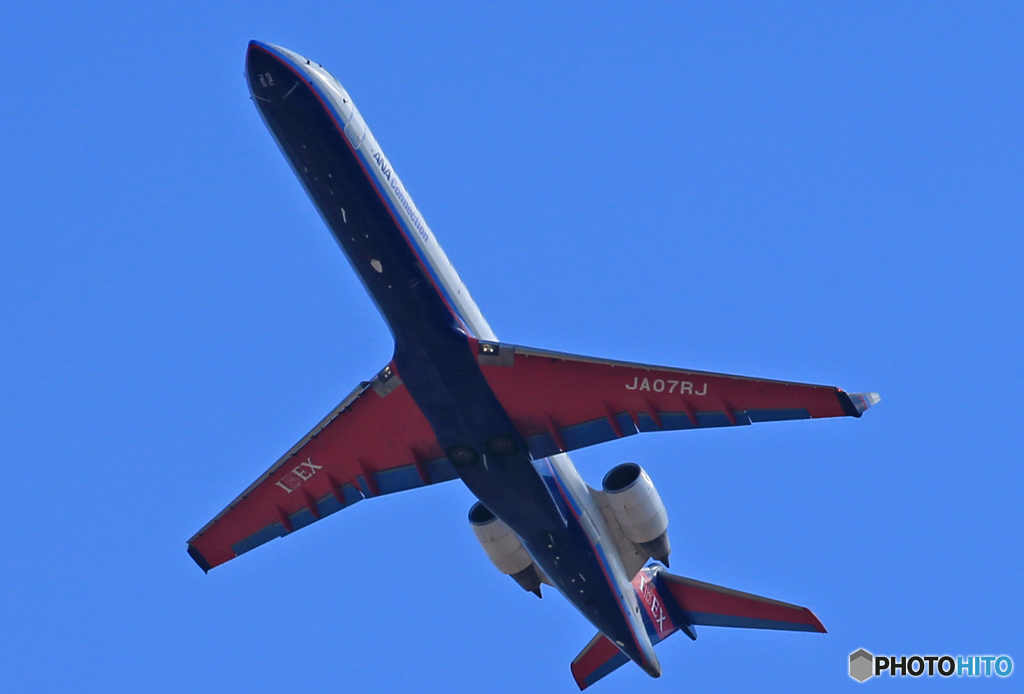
674,603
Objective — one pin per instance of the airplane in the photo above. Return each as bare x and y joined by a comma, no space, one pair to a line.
454,402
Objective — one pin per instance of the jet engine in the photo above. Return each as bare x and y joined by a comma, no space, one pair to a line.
504,548
638,509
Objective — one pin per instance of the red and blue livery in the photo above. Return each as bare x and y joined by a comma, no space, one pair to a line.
454,402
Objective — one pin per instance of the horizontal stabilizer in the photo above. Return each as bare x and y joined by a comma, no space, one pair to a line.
674,603
600,657
706,604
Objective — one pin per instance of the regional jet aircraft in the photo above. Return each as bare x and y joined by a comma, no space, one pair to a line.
454,402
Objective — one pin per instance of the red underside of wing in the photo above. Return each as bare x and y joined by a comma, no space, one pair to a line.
541,392
371,435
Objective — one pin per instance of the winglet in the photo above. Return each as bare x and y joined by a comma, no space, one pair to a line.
862,401
856,404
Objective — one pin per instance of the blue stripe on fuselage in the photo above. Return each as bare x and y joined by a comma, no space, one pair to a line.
436,361
596,551
434,356
364,163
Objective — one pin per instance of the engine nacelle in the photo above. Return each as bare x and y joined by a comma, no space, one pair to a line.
638,509
504,548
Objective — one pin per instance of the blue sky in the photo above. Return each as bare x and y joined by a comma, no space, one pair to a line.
828,194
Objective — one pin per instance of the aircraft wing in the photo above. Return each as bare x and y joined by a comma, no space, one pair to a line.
561,402
375,442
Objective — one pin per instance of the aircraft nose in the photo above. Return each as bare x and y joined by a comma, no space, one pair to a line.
266,71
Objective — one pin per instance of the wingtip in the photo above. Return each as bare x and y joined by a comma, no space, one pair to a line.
198,558
816,623
863,401
856,404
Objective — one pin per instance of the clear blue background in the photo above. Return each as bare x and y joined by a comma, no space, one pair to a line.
829,194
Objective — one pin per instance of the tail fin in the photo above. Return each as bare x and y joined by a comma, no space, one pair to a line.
674,603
